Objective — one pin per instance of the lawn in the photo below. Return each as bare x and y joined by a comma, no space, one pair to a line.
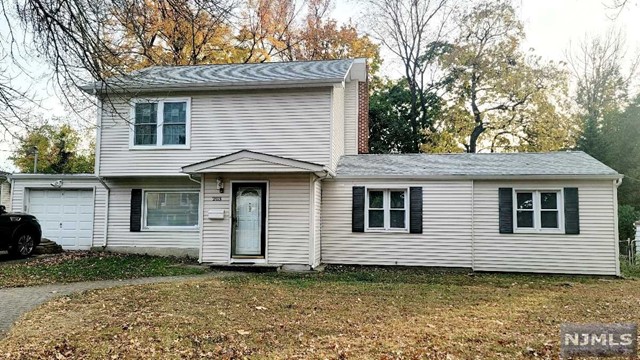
86,266
344,313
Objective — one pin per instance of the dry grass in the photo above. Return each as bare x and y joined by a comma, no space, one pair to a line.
381,314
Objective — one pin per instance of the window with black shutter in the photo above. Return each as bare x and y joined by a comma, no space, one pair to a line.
391,210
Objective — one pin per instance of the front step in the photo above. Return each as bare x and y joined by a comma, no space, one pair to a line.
47,246
246,267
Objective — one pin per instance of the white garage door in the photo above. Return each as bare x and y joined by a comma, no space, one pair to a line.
66,216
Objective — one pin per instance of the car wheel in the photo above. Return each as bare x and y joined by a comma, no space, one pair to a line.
24,245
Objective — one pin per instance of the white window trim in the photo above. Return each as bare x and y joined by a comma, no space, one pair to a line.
144,226
387,210
537,222
159,124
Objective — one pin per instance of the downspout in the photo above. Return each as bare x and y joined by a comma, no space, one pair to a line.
201,212
106,212
327,174
194,180
616,230
473,230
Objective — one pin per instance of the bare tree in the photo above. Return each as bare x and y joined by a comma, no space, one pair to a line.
14,102
597,66
413,30
602,82
617,6
85,40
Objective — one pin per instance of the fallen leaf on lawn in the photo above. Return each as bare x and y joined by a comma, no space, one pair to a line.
261,308
244,332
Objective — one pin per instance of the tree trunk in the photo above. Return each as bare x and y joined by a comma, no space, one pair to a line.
477,115
473,139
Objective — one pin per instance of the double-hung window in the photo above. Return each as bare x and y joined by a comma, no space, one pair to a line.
172,210
161,123
387,209
538,210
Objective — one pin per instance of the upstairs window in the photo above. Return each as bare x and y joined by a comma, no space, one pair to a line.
146,124
174,123
161,123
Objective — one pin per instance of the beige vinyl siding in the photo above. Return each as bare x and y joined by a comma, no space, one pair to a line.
288,123
288,218
351,118
593,251
120,210
337,125
20,201
216,238
446,240
252,165
5,193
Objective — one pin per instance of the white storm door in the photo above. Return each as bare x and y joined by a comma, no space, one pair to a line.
248,220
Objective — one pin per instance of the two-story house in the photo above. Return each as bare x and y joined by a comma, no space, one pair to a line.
234,154
267,164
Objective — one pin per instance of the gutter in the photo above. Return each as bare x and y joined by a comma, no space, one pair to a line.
54,176
106,211
128,88
329,173
616,177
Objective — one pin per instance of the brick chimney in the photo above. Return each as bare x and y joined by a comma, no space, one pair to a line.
363,114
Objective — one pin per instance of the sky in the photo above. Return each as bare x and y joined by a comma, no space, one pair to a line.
551,27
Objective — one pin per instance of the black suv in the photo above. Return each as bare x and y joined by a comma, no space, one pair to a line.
19,233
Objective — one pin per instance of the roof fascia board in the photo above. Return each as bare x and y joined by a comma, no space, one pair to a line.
92,89
480,177
201,167
54,176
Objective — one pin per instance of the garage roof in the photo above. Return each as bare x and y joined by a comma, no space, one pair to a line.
53,176
572,164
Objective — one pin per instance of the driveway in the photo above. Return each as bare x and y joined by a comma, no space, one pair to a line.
17,301
6,259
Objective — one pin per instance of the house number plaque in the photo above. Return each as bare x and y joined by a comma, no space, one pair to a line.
216,198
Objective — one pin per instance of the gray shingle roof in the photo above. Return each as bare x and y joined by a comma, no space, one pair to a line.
575,163
230,75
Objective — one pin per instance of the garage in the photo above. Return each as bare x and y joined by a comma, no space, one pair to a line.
66,216
70,208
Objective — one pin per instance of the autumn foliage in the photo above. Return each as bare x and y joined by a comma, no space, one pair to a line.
191,32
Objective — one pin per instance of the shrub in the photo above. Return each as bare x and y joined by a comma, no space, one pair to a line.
627,216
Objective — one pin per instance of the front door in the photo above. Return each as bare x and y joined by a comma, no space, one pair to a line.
249,217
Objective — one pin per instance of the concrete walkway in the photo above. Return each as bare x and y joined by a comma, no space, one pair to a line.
17,301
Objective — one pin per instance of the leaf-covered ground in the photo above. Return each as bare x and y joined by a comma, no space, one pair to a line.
341,314
74,266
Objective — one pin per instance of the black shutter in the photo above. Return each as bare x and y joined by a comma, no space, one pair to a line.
505,204
415,210
136,210
571,211
357,210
